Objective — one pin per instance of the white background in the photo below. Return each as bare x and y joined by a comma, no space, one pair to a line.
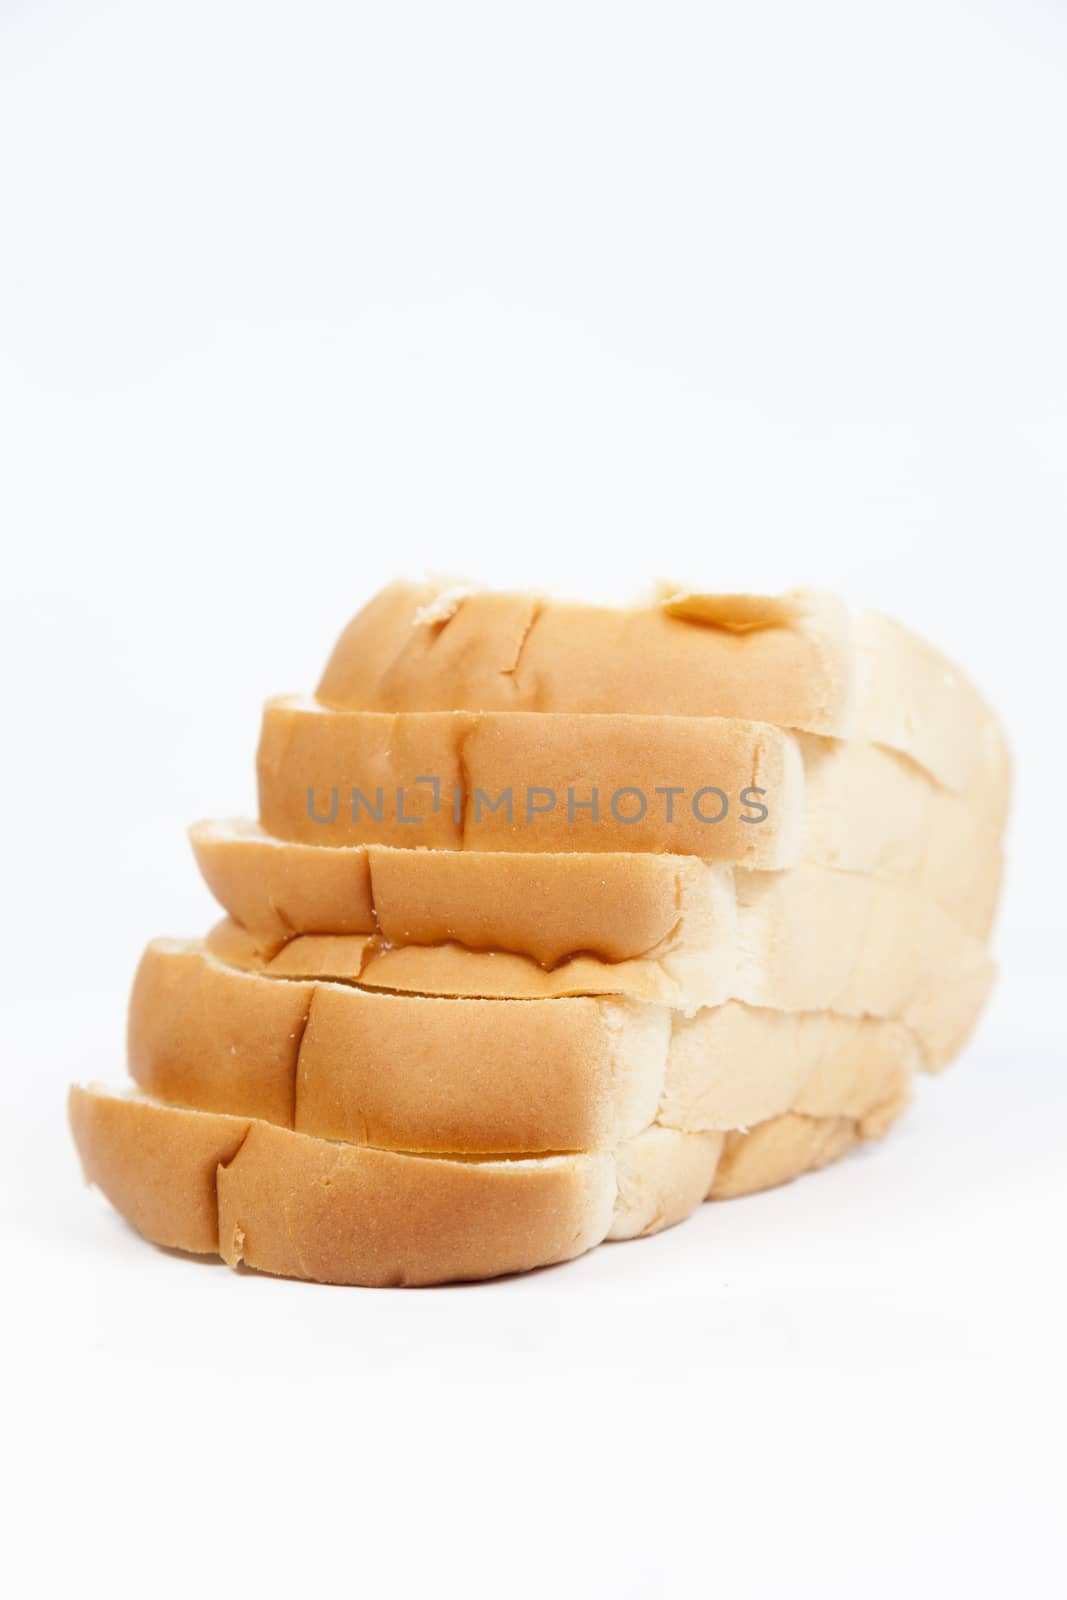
295,298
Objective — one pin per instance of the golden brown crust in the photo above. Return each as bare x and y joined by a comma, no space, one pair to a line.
532,1048
302,1207
276,889
798,661
157,1171
346,778
807,940
308,1208
335,1213
547,906
198,1037
516,652
549,766
614,907
397,1071
412,1073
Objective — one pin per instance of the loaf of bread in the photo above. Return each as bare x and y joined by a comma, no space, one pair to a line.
556,921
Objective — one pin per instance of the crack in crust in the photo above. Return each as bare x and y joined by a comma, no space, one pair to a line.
533,617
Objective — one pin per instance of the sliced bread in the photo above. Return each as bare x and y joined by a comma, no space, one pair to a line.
302,1207
409,1072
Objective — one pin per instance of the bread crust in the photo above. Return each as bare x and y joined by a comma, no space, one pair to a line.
799,660
347,778
424,647
302,1207
352,777
486,1076
335,1213
806,940
275,888
396,1071
613,906
159,1172
462,1022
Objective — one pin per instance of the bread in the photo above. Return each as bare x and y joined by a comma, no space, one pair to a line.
806,940
304,1207
392,1070
526,782
738,792
486,1077
781,1150
615,906
556,921
661,1176
309,1208
799,660
736,1067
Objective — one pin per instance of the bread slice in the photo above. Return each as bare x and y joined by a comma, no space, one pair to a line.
806,940
396,1071
303,1207
529,782
615,906
707,787
484,1077
337,1213
800,660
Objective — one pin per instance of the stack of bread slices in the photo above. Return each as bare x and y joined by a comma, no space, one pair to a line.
557,921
